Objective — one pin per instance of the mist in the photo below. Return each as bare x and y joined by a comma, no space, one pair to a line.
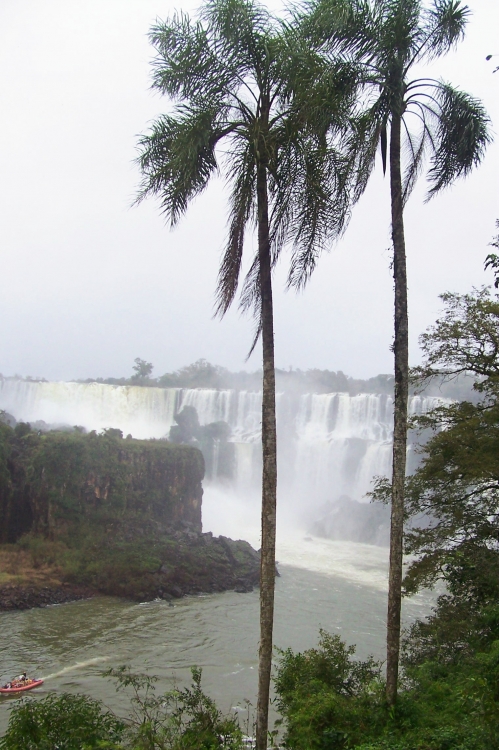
89,283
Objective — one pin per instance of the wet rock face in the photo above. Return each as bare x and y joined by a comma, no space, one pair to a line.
14,597
113,516
51,483
193,563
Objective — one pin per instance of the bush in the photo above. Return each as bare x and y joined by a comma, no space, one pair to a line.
178,720
65,722
328,700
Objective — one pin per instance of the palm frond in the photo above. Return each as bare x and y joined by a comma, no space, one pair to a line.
444,26
462,137
178,157
250,300
242,178
340,26
416,147
185,66
362,140
239,27
398,32
237,21
321,195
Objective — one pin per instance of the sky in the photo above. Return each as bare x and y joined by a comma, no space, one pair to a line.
90,282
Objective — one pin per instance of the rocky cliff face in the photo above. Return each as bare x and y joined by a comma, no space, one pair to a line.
97,513
50,484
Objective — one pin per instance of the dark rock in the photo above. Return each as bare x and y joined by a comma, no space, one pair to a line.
14,597
349,520
176,591
243,586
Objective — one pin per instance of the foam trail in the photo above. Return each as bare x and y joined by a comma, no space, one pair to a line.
78,665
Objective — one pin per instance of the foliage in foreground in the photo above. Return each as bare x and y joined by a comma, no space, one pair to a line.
65,722
329,701
178,720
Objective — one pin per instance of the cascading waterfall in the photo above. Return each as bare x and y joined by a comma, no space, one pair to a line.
330,445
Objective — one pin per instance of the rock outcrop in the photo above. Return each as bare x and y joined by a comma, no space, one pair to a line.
105,514
51,483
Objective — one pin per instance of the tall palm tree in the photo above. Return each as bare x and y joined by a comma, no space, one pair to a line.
254,104
387,39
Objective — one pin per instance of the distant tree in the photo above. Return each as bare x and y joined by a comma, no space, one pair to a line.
142,369
200,374
111,432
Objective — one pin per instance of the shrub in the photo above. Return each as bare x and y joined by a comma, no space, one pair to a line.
65,722
185,719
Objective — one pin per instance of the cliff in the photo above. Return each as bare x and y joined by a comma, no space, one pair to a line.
119,515
51,483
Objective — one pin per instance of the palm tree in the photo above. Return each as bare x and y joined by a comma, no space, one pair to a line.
239,111
387,38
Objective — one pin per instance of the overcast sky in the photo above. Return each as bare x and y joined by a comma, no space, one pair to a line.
89,283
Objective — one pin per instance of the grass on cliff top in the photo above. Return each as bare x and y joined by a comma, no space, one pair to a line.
20,567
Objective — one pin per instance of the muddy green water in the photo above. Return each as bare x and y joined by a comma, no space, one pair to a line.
339,586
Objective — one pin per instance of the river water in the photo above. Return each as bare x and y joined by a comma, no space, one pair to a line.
339,586
331,445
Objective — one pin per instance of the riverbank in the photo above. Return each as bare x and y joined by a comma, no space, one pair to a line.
36,572
14,597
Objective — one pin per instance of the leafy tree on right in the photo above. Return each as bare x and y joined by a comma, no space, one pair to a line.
418,117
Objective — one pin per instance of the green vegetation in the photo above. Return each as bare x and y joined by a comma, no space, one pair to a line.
59,484
120,516
66,722
329,701
178,720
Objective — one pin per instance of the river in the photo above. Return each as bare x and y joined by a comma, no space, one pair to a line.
339,586
335,444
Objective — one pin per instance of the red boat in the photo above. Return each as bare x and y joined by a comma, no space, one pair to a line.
28,685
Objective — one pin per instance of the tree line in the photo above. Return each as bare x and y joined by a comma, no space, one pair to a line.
292,113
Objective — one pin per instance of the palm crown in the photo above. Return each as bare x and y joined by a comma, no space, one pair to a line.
234,77
387,38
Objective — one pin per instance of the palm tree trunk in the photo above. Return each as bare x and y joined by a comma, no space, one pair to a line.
401,352
269,476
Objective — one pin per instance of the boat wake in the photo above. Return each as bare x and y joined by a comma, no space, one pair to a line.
78,665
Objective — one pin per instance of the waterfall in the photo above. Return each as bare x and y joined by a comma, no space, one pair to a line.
330,445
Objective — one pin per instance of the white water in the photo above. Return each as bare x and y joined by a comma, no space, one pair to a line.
330,445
